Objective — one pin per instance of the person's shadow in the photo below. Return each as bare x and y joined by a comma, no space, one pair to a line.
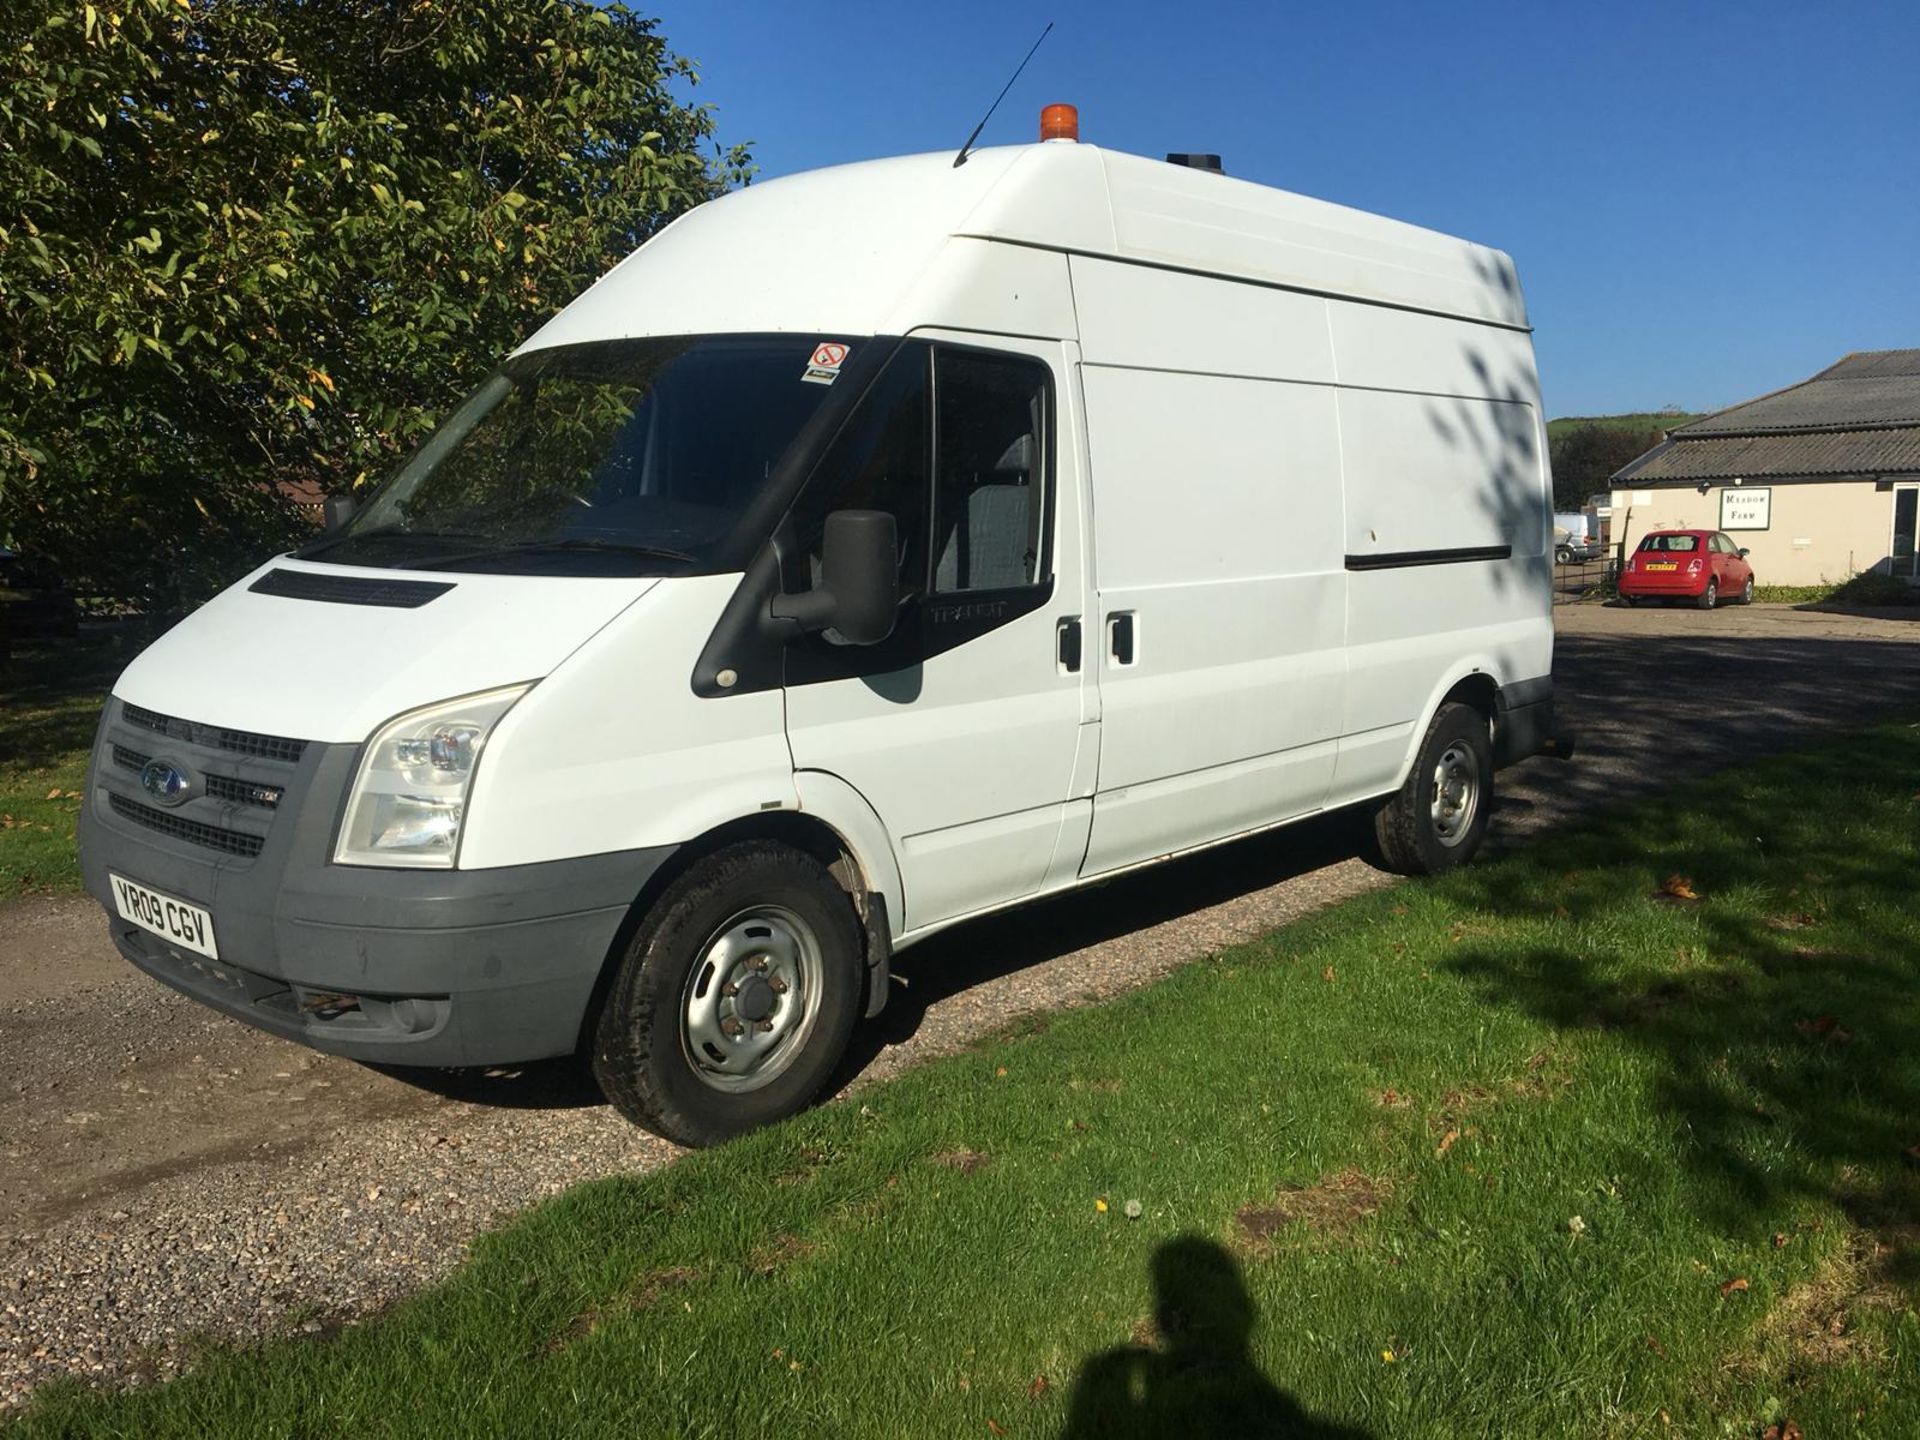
1200,1379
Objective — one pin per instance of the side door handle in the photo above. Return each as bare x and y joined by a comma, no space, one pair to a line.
1120,638
1067,644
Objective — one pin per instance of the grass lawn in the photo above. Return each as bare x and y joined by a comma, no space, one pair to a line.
50,697
1607,1138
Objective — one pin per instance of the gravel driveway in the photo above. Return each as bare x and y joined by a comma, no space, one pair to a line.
168,1175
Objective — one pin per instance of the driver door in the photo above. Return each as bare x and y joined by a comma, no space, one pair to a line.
962,730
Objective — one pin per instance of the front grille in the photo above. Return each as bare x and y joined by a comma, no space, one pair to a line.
268,747
240,742
219,787
213,837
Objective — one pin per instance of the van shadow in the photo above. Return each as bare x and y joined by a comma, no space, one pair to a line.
1198,1377
973,954
997,946
564,1083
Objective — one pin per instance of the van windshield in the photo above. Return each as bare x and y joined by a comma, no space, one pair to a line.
629,457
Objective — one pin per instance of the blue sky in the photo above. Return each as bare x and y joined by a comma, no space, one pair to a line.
1706,201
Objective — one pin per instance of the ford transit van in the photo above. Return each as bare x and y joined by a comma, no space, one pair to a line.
871,550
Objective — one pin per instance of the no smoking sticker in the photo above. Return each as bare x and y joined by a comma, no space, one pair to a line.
824,367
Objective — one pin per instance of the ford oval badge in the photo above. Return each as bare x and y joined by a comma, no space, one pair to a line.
165,782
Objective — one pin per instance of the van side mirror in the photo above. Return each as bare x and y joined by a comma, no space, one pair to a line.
859,589
336,510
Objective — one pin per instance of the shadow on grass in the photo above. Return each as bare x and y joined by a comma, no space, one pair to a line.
1200,1378
51,693
1784,1028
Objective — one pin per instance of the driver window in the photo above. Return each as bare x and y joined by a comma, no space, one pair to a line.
880,462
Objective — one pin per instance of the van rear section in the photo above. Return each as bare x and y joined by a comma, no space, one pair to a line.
1012,525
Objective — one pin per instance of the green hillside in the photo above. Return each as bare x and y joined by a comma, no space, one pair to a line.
1652,420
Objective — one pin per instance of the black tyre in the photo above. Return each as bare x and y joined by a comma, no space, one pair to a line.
1629,601
735,999
1438,817
1562,556
1710,596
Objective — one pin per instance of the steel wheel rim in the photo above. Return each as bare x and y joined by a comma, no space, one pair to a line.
1456,793
752,999
1713,592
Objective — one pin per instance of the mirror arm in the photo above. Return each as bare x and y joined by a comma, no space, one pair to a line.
811,610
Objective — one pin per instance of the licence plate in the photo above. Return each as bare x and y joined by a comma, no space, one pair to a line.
1669,565
175,920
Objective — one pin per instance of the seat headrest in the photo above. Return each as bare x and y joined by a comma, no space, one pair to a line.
1017,458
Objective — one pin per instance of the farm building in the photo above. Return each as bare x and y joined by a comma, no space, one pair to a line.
1820,481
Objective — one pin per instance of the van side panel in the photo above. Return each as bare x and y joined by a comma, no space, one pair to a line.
1217,523
1446,525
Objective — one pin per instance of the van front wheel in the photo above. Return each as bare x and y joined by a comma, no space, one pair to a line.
735,999
1438,817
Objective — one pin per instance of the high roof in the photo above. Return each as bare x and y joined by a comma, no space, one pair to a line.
1858,417
851,249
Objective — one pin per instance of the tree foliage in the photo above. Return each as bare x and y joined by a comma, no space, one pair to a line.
1585,458
251,248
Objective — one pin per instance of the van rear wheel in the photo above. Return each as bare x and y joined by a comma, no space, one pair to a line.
1438,817
735,999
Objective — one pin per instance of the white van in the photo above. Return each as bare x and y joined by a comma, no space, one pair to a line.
871,550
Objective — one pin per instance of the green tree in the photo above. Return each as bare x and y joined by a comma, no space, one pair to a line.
1586,456
254,247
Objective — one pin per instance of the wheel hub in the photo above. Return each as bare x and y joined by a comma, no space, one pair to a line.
1456,794
755,1000
751,998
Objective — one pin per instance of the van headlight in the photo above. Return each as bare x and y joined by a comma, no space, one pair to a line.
411,788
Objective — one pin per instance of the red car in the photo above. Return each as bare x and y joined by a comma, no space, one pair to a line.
1703,566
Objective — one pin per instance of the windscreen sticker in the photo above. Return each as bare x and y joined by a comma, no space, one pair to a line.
828,357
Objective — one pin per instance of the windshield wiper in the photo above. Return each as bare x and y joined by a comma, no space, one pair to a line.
390,532
578,542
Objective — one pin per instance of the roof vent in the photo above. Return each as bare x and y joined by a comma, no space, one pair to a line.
1196,161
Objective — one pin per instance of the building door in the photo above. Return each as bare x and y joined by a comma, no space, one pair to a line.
1906,512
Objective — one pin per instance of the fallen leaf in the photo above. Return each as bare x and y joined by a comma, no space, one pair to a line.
1654,1345
994,1425
1779,1240
53,794
1000,1072
1678,887
1826,1026
1446,1144
1037,1388
1783,1430
1739,1282
1327,974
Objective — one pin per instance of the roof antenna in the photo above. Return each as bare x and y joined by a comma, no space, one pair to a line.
961,158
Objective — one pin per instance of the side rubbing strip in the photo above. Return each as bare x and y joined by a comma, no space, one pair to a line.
1400,559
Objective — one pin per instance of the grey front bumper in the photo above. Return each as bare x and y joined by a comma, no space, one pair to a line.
410,967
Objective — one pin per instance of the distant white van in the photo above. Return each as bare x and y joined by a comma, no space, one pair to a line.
871,550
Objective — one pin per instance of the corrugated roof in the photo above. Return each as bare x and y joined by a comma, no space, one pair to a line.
1757,457
1859,416
1864,364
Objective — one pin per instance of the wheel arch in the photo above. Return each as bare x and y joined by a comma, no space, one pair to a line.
1472,682
852,867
